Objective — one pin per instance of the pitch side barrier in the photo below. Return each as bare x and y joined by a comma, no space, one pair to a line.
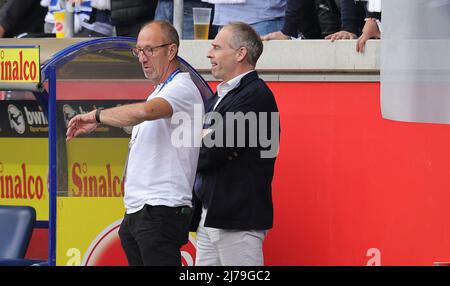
75,187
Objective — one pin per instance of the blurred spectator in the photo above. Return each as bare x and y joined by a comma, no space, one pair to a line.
164,12
97,18
21,16
308,19
82,13
129,15
352,19
93,18
265,16
329,17
52,6
372,27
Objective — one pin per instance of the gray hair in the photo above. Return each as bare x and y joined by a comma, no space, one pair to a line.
243,35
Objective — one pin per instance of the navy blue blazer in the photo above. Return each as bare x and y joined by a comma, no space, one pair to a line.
238,180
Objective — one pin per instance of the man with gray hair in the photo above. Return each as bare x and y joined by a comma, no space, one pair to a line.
232,199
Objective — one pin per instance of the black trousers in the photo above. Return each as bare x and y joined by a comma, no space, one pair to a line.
154,235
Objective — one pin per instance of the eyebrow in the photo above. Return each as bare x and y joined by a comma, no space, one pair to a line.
137,46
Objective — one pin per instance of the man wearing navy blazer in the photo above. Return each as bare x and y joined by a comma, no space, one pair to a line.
233,187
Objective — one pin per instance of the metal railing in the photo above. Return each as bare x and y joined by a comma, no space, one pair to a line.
178,7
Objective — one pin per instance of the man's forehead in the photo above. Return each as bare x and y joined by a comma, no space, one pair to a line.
223,37
150,34
152,26
225,32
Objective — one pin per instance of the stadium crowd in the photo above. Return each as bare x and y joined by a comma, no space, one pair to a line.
272,19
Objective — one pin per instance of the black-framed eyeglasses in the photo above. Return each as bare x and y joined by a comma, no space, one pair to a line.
148,51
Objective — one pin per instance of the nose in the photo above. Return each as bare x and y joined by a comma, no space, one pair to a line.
209,55
142,57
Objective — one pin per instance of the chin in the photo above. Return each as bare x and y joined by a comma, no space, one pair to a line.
215,75
149,77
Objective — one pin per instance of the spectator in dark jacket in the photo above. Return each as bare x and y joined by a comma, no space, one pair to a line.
352,16
21,16
128,16
309,19
302,20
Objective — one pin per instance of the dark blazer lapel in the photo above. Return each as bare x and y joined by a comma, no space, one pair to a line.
231,95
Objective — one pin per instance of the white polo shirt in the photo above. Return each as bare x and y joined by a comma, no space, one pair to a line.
158,172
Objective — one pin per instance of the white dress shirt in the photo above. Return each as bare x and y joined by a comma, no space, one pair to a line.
224,87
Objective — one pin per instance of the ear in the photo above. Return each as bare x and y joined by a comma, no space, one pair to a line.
172,51
241,54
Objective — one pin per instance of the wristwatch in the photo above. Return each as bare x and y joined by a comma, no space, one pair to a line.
97,115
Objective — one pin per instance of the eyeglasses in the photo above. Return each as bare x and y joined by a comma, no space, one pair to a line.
148,51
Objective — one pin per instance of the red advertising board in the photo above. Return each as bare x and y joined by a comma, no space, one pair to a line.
350,188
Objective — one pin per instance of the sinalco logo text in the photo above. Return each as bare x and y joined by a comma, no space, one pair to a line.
19,65
20,186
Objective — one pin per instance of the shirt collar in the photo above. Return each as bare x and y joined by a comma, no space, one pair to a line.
224,87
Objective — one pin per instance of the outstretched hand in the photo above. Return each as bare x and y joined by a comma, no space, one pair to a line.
81,124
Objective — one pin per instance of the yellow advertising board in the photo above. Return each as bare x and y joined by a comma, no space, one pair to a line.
19,64
95,169
90,212
90,190
88,233
87,229
95,166
23,173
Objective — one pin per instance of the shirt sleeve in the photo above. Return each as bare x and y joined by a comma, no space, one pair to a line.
352,16
181,95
